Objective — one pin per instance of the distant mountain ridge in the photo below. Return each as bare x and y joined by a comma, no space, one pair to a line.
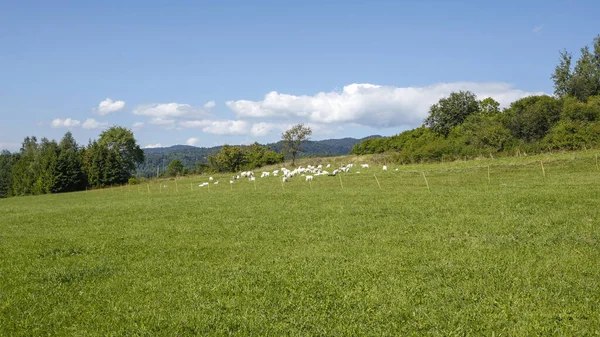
158,158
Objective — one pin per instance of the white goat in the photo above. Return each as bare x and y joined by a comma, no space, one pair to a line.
309,178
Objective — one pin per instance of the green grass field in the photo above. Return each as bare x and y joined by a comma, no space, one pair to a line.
515,255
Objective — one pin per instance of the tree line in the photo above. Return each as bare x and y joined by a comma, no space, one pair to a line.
243,158
50,167
461,126
228,159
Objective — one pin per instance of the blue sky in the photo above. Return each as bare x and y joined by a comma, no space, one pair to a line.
214,72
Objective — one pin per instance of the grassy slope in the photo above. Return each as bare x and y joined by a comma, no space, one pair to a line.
515,256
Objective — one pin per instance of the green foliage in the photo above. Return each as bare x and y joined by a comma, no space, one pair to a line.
7,161
94,164
35,170
572,135
259,156
229,159
576,110
202,168
489,106
562,75
583,80
175,167
111,160
122,141
293,139
487,133
480,134
451,111
530,118
46,168
237,158
133,181
70,176
24,174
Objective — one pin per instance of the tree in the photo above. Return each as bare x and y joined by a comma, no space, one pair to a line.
451,111
562,75
576,110
23,173
583,80
489,106
7,160
45,164
229,159
531,118
258,156
94,164
293,138
124,152
175,168
70,176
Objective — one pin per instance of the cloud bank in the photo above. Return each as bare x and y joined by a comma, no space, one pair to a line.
368,104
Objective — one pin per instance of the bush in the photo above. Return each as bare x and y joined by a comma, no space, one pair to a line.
133,181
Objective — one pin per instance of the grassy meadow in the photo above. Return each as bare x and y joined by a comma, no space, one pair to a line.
495,247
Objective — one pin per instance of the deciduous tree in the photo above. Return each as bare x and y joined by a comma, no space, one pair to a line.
293,139
451,111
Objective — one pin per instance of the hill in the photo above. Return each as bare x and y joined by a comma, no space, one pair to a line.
159,158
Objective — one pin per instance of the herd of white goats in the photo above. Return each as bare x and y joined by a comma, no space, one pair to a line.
308,173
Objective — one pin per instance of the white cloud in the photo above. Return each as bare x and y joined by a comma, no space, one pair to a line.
167,123
368,104
228,127
220,127
171,111
210,105
91,123
262,129
192,141
241,127
108,105
152,146
537,29
65,123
